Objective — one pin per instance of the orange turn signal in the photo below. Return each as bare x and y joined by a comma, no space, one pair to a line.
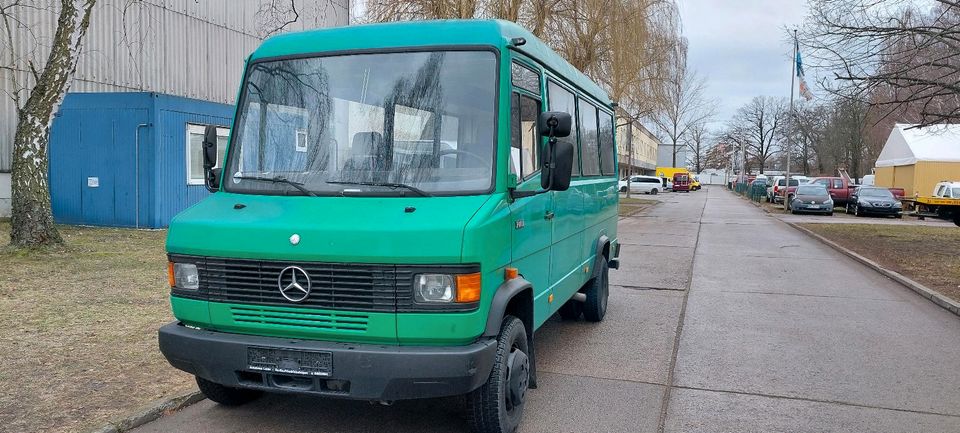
173,281
468,288
510,273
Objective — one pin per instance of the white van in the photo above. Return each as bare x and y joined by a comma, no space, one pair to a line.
644,184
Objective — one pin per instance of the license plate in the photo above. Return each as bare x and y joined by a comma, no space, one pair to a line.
814,206
290,361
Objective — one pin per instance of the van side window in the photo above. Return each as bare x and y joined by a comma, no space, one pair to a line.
525,78
562,100
524,150
607,167
589,141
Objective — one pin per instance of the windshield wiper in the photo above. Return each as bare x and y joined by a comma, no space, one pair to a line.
419,191
279,179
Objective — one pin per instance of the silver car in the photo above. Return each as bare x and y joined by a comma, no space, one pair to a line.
812,198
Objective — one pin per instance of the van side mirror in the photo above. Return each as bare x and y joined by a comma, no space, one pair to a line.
211,175
554,124
557,166
559,169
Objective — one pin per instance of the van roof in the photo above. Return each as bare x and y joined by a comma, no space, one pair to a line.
385,36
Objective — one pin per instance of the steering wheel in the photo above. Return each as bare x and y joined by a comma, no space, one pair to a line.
482,160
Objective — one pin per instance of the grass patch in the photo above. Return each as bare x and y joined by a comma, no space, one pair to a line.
630,206
79,329
926,254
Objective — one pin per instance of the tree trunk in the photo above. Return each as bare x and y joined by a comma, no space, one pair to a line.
32,217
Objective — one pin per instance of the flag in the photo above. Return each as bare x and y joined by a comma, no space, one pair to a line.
804,89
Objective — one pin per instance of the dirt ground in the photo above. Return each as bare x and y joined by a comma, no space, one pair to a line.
929,255
78,338
630,206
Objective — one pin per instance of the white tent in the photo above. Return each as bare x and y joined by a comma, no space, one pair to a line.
906,146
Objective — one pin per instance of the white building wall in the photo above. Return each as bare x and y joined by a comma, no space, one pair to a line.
186,48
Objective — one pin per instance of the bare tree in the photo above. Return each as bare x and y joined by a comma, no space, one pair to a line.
890,53
756,128
698,143
32,218
684,104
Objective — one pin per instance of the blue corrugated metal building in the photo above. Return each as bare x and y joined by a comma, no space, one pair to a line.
129,159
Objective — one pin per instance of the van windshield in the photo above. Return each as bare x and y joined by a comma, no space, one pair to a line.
367,124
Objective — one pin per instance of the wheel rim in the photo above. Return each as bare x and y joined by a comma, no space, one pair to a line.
518,379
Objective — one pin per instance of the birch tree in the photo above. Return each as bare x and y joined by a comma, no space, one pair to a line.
32,218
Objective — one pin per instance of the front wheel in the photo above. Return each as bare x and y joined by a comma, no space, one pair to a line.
226,395
497,406
623,189
598,292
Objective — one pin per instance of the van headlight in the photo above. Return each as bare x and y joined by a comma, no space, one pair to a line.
434,288
446,288
184,276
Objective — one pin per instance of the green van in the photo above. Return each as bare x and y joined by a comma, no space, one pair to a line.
400,208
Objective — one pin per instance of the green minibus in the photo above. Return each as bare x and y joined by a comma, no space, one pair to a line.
400,207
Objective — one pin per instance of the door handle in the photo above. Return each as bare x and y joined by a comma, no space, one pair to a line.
548,216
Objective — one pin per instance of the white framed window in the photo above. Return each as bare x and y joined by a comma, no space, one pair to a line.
195,175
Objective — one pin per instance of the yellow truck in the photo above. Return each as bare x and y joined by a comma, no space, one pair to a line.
668,172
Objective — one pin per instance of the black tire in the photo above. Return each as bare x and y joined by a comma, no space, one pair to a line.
598,293
856,211
956,220
623,189
899,216
829,213
492,408
571,310
654,191
226,395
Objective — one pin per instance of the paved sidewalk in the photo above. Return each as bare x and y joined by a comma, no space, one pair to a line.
776,332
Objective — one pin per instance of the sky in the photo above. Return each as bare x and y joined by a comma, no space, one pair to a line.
741,47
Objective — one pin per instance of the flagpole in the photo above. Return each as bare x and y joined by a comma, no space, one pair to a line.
793,75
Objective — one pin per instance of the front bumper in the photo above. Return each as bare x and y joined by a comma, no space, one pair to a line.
811,209
373,372
880,210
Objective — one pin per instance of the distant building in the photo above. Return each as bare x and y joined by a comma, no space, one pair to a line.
916,159
665,155
636,149
185,48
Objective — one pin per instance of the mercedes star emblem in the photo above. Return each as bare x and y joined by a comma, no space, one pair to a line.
294,284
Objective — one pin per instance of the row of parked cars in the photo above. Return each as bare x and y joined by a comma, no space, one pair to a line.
654,185
824,194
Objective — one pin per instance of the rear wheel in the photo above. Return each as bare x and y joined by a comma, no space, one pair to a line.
654,191
497,406
226,395
598,292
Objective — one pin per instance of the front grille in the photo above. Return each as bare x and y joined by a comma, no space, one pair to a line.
325,321
334,286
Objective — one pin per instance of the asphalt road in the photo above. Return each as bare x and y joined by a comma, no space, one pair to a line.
722,319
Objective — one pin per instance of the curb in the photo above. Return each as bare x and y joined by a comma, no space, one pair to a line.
934,296
151,412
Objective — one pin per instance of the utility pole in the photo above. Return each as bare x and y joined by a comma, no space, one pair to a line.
793,76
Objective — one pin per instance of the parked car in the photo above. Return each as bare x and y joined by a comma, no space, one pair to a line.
642,184
775,189
867,200
840,188
695,184
811,198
